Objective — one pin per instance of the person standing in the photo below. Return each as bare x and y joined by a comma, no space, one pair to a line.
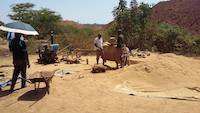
20,60
120,39
98,43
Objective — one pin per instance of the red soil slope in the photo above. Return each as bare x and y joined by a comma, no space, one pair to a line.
184,13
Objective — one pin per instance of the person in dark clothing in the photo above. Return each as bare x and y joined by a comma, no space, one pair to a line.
20,60
120,39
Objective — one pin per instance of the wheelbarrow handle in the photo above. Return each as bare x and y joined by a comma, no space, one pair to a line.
25,80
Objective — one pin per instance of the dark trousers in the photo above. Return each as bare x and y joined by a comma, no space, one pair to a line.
19,68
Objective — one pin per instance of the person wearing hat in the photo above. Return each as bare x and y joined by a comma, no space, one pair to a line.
120,39
98,43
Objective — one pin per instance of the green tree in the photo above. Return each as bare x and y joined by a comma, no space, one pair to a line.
134,15
144,15
22,12
121,14
46,20
43,20
133,21
120,8
133,4
143,20
171,37
134,26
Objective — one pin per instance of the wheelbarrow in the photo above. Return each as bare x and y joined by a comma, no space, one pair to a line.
39,77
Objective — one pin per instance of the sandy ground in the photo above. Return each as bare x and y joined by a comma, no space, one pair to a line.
160,83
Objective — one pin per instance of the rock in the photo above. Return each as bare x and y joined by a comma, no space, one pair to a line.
148,53
72,61
141,55
98,69
147,69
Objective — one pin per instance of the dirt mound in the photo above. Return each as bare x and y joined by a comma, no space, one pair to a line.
184,13
166,70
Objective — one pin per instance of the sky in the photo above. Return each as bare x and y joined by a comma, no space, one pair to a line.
82,11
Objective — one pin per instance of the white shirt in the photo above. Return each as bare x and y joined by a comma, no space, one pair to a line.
10,36
98,42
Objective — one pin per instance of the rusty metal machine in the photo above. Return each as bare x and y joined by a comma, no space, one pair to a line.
48,54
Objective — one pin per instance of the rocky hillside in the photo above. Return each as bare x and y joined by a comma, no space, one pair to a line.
184,13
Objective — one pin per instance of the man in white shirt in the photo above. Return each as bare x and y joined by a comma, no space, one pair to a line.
98,43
